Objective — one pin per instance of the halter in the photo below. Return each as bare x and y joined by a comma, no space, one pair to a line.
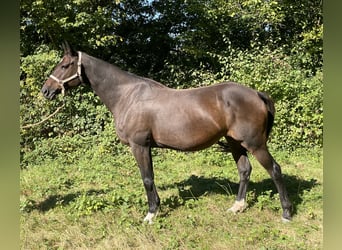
74,76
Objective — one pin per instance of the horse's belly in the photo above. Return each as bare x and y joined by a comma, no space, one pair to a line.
188,137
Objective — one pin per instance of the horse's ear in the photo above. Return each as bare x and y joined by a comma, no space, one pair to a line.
67,49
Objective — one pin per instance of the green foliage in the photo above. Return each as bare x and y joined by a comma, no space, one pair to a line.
87,204
180,32
33,107
90,24
267,201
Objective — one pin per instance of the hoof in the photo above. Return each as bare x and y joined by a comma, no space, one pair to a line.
286,217
238,206
149,217
285,220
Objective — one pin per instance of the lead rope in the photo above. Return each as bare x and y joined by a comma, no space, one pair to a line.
45,119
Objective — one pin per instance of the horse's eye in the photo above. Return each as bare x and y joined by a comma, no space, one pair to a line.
64,66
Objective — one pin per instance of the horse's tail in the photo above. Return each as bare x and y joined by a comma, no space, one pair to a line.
271,110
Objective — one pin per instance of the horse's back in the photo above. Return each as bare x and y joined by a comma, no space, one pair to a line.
196,118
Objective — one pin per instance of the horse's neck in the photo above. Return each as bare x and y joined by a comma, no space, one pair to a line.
108,82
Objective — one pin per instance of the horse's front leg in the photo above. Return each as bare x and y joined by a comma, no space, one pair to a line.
143,157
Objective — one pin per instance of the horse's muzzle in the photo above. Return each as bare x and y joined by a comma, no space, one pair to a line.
50,93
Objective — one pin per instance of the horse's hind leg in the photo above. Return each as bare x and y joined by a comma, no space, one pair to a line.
274,170
244,168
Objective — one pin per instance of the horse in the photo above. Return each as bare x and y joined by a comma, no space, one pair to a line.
148,114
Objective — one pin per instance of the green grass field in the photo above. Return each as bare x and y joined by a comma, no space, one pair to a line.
96,200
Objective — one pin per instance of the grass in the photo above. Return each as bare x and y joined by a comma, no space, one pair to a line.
96,200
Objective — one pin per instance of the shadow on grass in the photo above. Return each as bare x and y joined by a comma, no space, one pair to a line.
59,200
196,186
192,189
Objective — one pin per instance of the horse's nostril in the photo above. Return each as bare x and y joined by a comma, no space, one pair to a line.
45,91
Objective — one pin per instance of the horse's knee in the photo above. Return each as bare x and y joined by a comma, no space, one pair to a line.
245,173
276,173
244,168
247,168
148,183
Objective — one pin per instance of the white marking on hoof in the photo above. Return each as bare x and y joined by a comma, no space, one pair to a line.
238,206
284,220
149,217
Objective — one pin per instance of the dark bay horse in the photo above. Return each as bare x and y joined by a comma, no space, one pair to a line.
148,114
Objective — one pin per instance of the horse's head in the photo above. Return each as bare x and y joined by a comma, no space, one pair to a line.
66,74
